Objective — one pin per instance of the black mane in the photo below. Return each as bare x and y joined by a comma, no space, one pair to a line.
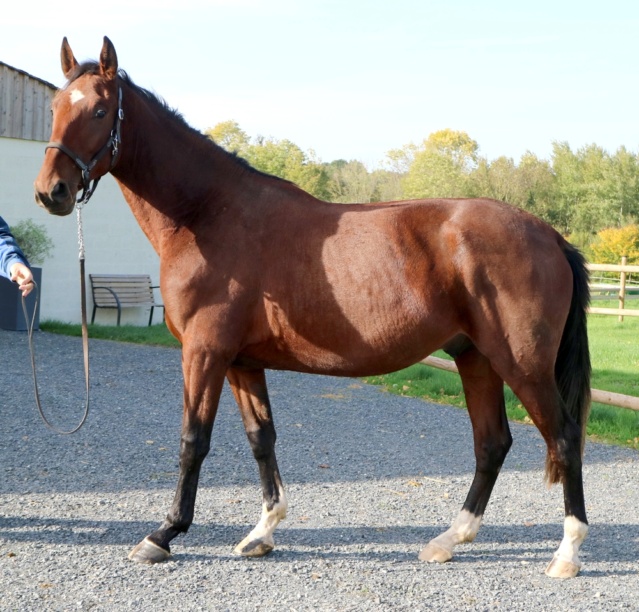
93,67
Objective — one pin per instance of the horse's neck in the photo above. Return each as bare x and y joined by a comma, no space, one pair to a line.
162,172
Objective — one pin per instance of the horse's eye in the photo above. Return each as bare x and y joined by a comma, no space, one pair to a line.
100,113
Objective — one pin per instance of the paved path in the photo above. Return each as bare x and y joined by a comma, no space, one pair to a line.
370,476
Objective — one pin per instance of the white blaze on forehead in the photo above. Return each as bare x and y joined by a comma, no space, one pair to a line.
76,95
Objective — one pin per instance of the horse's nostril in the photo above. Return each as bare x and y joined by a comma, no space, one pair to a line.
60,191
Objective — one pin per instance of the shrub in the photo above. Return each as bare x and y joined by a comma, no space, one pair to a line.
613,243
33,240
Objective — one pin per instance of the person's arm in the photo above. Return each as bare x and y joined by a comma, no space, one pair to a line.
13,263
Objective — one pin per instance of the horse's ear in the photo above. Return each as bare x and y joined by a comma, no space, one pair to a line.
108,60
67,58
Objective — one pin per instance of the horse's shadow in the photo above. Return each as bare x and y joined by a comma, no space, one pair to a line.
494,543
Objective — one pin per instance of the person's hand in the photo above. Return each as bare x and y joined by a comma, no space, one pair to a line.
22,275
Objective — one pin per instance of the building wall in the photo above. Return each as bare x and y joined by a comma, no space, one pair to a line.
25,105
114,243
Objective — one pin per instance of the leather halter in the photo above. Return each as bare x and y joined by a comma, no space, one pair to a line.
112,143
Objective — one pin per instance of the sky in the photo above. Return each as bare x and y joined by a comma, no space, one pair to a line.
353,79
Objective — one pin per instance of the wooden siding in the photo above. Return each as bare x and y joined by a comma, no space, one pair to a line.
25,105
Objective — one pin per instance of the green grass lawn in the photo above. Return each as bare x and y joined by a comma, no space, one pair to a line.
614,349
156,335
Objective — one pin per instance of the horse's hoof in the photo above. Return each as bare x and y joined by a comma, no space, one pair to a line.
561,568
254,548
434,553
149,552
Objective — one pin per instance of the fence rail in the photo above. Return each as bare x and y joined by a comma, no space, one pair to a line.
625,289
603,397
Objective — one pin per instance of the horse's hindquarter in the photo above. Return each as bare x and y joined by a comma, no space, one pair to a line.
517,283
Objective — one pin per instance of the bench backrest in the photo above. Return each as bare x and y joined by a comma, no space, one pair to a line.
131,289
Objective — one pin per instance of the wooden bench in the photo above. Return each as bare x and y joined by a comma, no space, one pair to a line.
123,291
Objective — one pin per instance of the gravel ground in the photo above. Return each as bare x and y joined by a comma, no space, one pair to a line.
371,478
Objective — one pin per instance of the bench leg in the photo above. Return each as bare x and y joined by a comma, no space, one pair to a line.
151,317
93,315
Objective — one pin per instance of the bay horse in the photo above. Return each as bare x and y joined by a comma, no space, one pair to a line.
257,274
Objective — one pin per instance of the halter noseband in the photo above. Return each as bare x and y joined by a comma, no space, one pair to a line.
113,143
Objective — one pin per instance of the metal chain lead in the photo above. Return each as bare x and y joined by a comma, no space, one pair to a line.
78,209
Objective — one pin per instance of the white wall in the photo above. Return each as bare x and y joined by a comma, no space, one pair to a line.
114,243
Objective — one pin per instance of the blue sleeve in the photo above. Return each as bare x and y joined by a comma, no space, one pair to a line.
10,252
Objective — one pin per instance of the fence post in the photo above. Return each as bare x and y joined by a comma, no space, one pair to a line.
622,286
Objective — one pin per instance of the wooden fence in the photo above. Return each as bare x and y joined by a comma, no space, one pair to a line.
603,288
603,397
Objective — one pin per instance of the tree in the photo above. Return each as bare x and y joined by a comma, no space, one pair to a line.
595,189
456,146
528,185
569,187
350,182
399,160
537,185
613,243
281,158
230,136
441,167
623,174
498,180
388,186
285,159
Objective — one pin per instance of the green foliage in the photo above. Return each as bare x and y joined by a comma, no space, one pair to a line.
388,186
400,160
350,181
34,241
594,189
528,185
612,244
441,166
280,158
230,136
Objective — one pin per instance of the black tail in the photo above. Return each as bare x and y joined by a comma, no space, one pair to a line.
572,368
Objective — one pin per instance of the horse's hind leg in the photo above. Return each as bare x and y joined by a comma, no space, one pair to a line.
484,393
249,389
563,439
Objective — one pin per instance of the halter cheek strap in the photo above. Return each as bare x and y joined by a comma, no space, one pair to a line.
112,143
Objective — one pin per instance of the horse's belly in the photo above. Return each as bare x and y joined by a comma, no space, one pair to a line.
344,351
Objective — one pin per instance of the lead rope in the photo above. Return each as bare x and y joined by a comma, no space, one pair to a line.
85,337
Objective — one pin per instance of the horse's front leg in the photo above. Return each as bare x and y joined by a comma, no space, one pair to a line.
203,380
249,388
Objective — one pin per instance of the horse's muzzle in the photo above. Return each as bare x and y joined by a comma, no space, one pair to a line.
59,201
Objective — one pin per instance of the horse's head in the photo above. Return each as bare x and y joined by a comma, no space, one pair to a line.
86,130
